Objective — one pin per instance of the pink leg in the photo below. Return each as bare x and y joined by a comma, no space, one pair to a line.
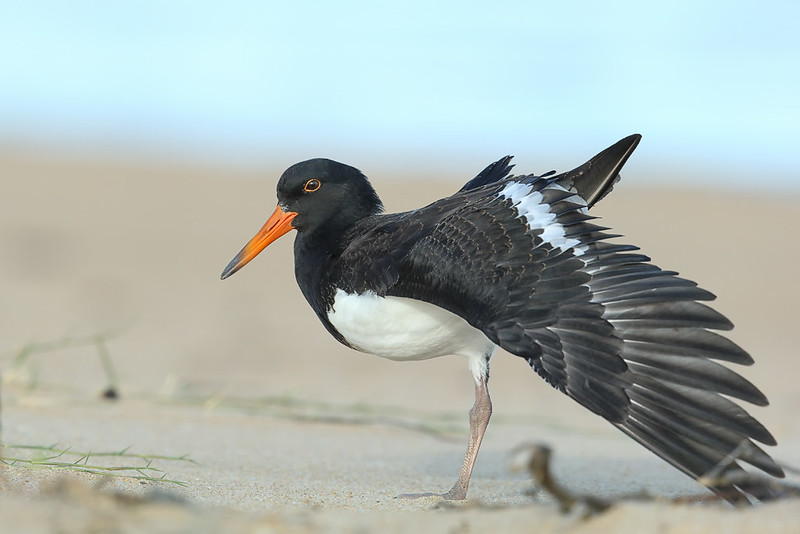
478,421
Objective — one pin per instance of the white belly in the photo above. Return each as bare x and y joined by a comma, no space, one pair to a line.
400,328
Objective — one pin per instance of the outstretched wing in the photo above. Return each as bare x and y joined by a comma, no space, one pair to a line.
521,260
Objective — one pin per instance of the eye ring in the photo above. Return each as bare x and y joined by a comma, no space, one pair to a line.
312,185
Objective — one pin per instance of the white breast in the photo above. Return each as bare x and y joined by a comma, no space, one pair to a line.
400,328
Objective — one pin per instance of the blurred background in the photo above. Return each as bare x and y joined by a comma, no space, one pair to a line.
444,86
140,143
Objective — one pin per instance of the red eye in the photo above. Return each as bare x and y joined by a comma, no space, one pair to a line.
312,185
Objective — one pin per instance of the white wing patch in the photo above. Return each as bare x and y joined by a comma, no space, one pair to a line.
536,212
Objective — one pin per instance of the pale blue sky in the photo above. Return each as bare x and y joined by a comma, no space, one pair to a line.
712,85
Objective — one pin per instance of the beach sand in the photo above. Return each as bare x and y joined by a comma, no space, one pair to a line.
272,425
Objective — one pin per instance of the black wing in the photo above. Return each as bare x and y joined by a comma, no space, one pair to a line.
626,339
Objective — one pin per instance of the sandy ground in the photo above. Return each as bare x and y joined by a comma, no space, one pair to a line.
281,429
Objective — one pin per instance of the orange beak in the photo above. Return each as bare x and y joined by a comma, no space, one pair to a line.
279,223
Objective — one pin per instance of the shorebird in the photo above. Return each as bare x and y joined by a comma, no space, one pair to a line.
517,262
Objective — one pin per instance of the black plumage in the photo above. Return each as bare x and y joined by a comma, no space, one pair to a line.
520,259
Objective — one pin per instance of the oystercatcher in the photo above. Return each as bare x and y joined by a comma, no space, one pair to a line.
517,262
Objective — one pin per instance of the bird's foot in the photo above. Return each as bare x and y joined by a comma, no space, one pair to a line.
452,495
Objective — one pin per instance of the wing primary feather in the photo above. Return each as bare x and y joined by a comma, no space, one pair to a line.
710,435
704,405
695,342
698,373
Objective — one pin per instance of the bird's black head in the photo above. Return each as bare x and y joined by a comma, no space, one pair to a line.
318,196
326,193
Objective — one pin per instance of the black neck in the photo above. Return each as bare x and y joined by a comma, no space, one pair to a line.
313,256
